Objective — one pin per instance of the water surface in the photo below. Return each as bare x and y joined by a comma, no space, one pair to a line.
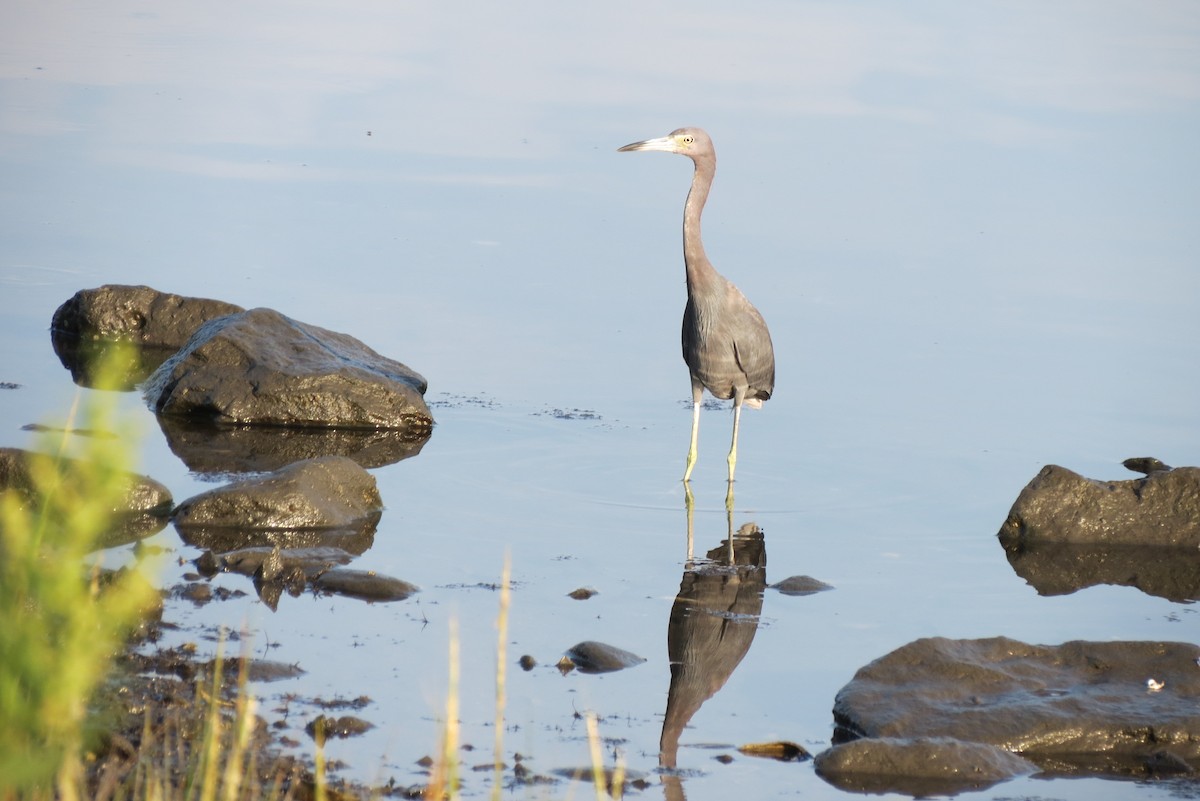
971,230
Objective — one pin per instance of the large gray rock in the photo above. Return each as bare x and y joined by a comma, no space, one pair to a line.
326,493
154,324
1058,505
922,767
1080,706
261,368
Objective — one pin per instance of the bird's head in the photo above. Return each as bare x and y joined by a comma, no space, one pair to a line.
691,142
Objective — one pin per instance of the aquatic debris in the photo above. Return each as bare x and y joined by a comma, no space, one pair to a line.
1154,685
582,594
781,750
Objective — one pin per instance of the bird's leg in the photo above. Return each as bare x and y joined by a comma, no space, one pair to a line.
739,395
697,394
690,502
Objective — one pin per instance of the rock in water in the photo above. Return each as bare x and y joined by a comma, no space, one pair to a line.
329,492
261,368
1058,505
1083,704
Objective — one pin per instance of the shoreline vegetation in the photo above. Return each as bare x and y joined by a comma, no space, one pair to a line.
91,713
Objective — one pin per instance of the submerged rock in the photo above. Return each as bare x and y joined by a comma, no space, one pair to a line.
801,585
330,492
1075,707
597,657
366,585
1058,505
264,369
922,767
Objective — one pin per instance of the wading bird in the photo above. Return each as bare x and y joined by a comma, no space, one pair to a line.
726,344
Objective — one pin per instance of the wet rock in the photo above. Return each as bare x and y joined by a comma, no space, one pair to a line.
801,585
1055,568
156,323
261,368
142,495
329,492
1058,505
597,657
366,585
922,767
208,448
1080,706
1146,465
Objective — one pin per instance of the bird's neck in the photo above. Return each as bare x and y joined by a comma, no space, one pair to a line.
699,269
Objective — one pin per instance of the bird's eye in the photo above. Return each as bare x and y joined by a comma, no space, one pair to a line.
687,140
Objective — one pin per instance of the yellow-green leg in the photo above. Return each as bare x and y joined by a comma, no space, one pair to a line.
738,396
697,394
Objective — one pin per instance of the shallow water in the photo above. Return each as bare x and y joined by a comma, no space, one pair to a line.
972,235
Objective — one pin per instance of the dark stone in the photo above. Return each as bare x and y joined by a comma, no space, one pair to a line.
330,492
597,657
1058,505
264,369
801,585
1076,707
1146,465
922,767
156,323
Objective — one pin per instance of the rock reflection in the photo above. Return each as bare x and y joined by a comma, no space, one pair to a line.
208,448
1064,568
712,625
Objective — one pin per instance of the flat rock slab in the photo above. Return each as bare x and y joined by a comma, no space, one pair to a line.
261,368
329,492
922,767
1082,704
1058,505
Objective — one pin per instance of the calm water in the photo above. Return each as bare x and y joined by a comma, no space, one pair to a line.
972,230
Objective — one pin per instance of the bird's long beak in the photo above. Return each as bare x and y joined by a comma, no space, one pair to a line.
666,144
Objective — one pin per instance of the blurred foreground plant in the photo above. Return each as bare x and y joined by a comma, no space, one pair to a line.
63,621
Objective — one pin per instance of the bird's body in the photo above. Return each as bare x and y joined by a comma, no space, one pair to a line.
726,344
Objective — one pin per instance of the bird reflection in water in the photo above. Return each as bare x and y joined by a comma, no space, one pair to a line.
712,624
